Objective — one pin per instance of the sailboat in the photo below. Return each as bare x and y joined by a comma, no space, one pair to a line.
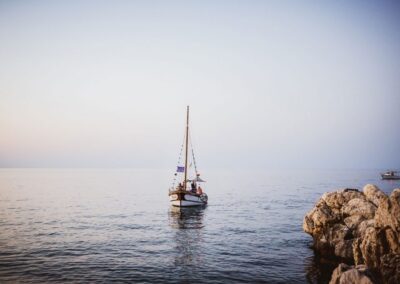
188,192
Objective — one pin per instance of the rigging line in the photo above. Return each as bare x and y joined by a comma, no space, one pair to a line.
180,153
179,160
194,159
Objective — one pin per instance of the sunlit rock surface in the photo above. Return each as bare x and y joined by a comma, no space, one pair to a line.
346,274
361,228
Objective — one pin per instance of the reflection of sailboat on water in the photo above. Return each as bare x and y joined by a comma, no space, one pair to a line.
181,196
187,218
188,237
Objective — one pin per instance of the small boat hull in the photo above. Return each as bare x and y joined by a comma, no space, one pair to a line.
186,199
390,175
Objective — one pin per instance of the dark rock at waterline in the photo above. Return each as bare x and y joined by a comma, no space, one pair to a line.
359,227
351,274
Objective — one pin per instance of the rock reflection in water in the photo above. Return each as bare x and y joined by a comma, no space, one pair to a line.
319,269
188,223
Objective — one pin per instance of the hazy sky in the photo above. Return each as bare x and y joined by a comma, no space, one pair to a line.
272,84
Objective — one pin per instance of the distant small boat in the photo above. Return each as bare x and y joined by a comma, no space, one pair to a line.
181,195
391,175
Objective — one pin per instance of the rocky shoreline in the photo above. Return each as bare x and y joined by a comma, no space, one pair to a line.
361,228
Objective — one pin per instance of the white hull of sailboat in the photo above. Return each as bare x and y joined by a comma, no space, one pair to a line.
186,203
186,200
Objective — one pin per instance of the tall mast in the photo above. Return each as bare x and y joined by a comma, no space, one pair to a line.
186,149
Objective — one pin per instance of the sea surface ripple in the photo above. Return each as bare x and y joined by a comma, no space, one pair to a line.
97,225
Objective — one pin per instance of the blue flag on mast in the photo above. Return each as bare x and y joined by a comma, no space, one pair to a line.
180,169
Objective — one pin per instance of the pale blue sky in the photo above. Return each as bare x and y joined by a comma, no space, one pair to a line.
272,84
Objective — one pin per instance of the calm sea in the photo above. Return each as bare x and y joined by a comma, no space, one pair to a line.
93,225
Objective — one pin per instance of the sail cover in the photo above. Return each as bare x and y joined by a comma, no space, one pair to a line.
197,179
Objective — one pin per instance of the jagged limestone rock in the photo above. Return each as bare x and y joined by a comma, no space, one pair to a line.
344,249
345,274
338,198
363,227
372,247
359,207
388,212
373,194
352,222
390,267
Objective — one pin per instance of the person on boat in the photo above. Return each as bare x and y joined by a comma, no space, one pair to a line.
193,187
199,190
180,186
